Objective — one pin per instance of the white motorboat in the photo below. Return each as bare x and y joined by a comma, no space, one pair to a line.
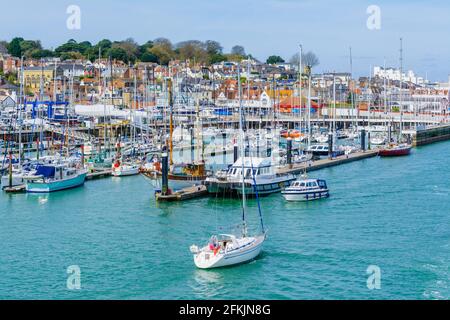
258,176
306,190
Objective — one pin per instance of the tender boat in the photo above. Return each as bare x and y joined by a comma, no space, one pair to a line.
306,190
394,150
50,178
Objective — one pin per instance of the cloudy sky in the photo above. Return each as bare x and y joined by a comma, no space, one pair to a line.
263,27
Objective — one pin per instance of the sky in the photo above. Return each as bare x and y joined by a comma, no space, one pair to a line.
264,27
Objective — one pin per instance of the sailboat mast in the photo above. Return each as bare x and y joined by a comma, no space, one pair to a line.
385,95
300,87
401,87
241,139
169,85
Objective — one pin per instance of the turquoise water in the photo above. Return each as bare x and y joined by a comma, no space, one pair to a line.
393,213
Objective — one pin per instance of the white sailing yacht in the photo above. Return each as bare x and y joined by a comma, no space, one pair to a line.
229,249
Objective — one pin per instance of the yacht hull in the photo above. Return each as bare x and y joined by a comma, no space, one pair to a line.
43,187
394,152
247,253
305,196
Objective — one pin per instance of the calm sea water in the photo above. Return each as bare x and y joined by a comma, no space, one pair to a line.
392,213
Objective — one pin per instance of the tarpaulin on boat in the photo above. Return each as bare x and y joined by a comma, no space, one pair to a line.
45,171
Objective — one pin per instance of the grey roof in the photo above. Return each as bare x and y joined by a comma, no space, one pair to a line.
9,86
3,49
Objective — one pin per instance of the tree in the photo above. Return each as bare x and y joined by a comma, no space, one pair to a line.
148,57
130,47
163,50
38,54
274,60
238,50
218,57
213,47
14,47
117,53
309,60
28,46
192,50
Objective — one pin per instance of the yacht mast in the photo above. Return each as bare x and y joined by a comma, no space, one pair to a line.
241,138
401,87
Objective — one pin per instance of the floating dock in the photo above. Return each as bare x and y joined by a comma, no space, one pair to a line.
325,163
183,194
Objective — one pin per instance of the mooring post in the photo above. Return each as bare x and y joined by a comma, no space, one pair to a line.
289,152
330,145
363,139
165,172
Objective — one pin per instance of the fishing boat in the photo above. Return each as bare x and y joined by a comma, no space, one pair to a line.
306,190
394,150
51,178
230,249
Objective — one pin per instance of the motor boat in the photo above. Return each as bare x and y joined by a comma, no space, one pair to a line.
306,190
51,178
258,174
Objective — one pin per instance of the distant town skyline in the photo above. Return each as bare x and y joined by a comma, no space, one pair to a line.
264,28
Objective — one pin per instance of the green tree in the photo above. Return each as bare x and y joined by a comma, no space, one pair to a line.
118,53
148,57
14,47
41,53
274,60
163,50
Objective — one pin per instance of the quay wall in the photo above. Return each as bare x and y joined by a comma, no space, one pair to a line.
430,135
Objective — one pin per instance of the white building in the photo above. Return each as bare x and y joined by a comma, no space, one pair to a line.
394,74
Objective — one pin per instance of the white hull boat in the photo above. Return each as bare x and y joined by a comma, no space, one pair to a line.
306,190
228,251
125,170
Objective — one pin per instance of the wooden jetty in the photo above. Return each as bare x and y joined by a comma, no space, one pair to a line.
325,163
183,194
